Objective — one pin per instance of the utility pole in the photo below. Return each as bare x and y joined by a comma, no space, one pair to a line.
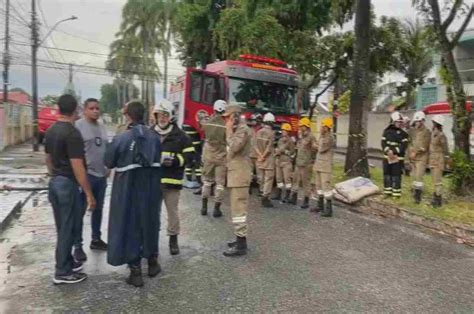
70,73
34,74
6,53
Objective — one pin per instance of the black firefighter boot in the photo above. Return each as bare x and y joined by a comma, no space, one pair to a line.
305,203
417,196
286,199
327,211
135,278
204,207
437,201
217,210
174,248
266,202
293,199
277,196
319,206
239,249
154,267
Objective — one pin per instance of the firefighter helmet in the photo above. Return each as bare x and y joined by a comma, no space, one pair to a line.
438,119
327,122
286,127
269,117
419,116
305,122
219,105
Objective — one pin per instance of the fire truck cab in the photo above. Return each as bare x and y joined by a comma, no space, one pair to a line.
258,84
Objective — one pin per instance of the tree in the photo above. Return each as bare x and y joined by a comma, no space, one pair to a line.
111,100
356,159
450,73
50,100
139,39
416,57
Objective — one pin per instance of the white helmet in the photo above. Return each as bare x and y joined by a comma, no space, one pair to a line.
220,105
419,116
165,106
439,119
269,117
396,116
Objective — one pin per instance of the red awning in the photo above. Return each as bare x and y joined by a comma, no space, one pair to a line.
443,108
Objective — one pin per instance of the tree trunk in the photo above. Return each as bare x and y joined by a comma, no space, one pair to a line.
356,157
461,122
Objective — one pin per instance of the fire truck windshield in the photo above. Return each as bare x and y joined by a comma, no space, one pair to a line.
263,96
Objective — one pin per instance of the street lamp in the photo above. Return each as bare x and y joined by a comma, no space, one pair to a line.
34,70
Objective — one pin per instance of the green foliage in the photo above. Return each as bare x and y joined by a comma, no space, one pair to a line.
50,100
462,176
110,94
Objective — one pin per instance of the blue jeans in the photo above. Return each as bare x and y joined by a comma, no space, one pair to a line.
98,187
65,198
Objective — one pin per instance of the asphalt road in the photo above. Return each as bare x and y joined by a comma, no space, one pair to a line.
297,263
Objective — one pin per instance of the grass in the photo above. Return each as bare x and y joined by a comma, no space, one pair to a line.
455,208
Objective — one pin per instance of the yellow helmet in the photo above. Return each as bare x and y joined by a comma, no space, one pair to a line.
327,122
305,122
286,127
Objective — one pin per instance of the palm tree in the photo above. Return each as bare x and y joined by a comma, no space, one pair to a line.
138,41
416,57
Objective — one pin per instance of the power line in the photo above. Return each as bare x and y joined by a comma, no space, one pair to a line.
20,16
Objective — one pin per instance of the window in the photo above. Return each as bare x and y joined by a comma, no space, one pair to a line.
210,90
196,80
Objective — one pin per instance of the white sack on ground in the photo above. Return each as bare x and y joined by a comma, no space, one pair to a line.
353,190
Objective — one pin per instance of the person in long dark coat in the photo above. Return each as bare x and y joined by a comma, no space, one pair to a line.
135,206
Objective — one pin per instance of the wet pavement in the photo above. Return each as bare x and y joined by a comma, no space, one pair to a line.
297,263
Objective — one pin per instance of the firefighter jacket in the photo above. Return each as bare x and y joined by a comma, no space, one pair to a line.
195,139
307,147
396,140
175,144
254,131
265,148
239,169
323,161
215,149
421,143
285,150
438,149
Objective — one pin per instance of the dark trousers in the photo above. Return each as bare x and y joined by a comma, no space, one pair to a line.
392,178
98,187
65,198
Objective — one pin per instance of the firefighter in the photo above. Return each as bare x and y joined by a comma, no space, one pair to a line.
214,158
264,147
439,152
177,151
322,169
195,166
306,146
284,163
256,125
239,175
394,143
410,129
418,153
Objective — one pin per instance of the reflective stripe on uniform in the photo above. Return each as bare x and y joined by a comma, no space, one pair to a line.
191,132
399,158
189,150
135,166
238,220
181,160
280,185
196,142
219,187
171,181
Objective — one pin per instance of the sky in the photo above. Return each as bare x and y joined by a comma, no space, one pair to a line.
93,31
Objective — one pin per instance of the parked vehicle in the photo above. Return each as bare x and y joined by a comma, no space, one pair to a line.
258,84
47,116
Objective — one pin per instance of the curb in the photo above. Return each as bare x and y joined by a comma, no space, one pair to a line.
15,210
463,233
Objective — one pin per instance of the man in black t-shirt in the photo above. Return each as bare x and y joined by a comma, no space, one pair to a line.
64,149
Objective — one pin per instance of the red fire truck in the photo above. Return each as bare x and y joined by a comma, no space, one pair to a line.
258,84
